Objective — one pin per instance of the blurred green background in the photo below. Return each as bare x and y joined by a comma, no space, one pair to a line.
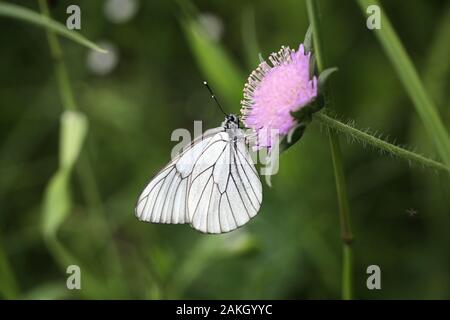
164,50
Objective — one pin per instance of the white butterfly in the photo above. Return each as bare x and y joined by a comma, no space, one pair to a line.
212,185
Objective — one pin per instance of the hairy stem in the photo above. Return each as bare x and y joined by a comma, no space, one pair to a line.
367,138
341,187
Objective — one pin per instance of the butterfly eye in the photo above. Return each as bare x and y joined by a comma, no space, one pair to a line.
233,118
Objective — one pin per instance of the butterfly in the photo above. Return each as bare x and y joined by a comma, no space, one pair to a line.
212,184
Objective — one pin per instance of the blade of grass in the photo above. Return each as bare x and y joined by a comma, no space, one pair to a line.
68,159
24,14
57,200
435,78
214,62
411,81
341,187
437,62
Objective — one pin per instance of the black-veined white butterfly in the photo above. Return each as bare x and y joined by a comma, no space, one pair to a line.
212,184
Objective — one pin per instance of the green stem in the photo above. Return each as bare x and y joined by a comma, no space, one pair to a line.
347,270
367,138
341,187
344,209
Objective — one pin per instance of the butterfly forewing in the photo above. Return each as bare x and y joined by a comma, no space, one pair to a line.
164,198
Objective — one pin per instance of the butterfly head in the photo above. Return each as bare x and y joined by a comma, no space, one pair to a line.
231,121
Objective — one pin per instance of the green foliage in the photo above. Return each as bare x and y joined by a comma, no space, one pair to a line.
292,249
336,154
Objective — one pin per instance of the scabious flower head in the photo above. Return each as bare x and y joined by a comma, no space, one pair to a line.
275,90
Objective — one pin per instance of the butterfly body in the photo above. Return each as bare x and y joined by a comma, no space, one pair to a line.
212,185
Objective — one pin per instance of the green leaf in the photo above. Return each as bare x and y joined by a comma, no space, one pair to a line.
323,77
303,117
24,14
293,136
73,132
57,199
57,203
312,66
308,41
411,81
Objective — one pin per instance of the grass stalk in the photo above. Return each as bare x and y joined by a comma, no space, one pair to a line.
409,77
84,168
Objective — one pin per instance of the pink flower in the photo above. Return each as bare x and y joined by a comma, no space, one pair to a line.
273,91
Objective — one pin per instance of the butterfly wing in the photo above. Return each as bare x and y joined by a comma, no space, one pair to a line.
164,198
225,190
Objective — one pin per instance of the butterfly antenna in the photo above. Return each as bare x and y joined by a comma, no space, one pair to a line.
214,97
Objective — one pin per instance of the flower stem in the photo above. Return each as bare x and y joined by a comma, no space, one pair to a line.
344,210
367,138
347,271
346,234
